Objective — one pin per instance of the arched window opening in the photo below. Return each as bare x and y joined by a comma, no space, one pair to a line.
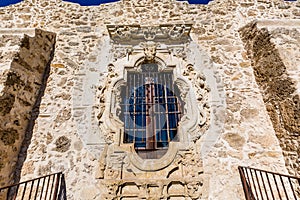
151,110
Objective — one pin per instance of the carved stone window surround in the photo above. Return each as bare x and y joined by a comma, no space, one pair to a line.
119,166
188,122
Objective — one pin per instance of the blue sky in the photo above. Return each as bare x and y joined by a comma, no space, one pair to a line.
92,2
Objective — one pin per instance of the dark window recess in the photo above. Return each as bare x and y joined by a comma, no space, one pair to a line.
151,110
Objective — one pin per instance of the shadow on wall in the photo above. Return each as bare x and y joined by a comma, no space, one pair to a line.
278,90
20,101
36,107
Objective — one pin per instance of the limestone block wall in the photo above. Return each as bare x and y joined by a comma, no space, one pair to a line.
66,133
21,91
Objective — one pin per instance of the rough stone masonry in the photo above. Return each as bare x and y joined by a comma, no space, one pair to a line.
20,97
59,63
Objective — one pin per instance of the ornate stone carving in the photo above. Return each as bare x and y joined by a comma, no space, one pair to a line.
149,50
111,172
183,87
202,92
117,96
150,33
177,31
153,189
101,96
179,173
134,34
121,51
188,184
123,32
112,188
128,39
102,89
194,189
192,165
179,51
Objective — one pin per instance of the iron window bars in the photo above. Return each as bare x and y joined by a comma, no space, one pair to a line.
151,109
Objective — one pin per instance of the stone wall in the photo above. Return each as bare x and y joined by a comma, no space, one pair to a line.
24,83
66,134
278,88
9,47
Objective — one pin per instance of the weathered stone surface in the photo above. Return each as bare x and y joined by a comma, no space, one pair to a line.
3,157
240,83
62,144
6,103
19,94
277,87
249,113
9,136
290,113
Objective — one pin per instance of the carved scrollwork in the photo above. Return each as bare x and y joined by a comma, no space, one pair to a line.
154,189
117,104
111,172
134,34
202,93
150,33
123,32
102,89
121,51
101,96
179,51
189,184
183,87
177,31
179,173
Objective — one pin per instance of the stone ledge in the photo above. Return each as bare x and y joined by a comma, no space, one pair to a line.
275,23
17,31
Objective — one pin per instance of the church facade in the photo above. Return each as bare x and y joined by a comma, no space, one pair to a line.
148,99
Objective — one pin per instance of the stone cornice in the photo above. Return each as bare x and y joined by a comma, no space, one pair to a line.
134,34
